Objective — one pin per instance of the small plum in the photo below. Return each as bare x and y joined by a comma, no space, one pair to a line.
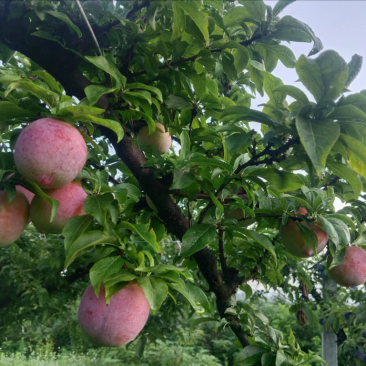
160,139
352,271
295,244
14,217
50,152
117,323
71,198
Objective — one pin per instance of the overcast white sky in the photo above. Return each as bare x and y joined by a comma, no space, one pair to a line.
341,25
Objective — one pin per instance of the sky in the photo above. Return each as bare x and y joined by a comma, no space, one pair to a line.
341,26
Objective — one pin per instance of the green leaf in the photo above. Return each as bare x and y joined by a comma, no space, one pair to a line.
348,113
109,67
357,154
310,75
281,180
280,5
46,35
329,229
121,276
103,269
342,230
140,86
309,237
97,205
132,191
250,355
293,92
182,180
198,160
196,238
161,268
185,145
343,172
49,97
50,80
85,241
109,123
155,290
198,17
240,113
63,17
354,68
256,8
192,296
75,227
177,102
12,114
144,232
271,84
179,21
318,138
291,29
94,92
258,238
78,110
283,53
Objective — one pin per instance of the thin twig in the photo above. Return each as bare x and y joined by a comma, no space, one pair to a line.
89,26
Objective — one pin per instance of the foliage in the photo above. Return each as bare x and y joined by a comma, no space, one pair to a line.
193,66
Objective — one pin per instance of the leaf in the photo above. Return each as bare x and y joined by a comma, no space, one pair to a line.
9,113
78,110
271,84
63,17
282,181
132,191
310,75
191,296
240,113
342,230
49,79
161,268
179,21
97,205
318,138
198,160
140,86
354,68
250,355
348,113
144,232
286,56
256,8
109,67
293,92
309,237
357,154
94,92
281,5
198,17
85,241
343,172
75,227
177,102
182,180
291,29
155,290
46,35
109,123
196,238
185,145
49,97
103,269
329,229
258,238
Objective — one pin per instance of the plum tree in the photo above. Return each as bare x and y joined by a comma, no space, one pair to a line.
352,271
295,244
14,217
71,198
117,323
160,139
50,152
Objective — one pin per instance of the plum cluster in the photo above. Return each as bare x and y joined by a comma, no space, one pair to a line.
50,153
351,272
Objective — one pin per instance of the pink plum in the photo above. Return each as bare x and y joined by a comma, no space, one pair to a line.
50,152
352,271
71,198
117,323
160,139
14,217
295,244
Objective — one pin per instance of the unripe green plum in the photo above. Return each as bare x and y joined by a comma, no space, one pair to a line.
50,152
352,271
71,198
160,139
117,323
237,214
14,217
295,244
